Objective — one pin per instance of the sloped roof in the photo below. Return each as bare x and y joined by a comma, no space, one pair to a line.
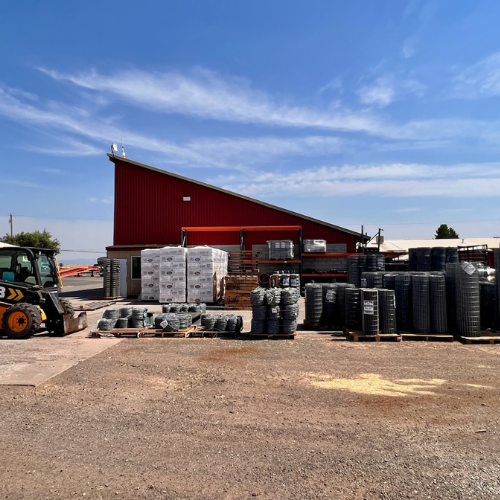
114,159
402,246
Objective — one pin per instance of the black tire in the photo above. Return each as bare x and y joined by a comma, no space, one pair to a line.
69,310
20,321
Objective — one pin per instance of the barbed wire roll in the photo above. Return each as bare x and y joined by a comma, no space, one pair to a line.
221,322
387,310
194,307
259,313
329,303
289,296
185,319
451,295
208,321
369,311
340,309
273,312
468,307
290,312
353,308
125,312
113,314
273,296
437,301
175,307
105,324
174,324
313,304
165,308
258,326
273,326
231,322
288,327
404,304
159,318
488,304
257,296
121,323
353,274
421,306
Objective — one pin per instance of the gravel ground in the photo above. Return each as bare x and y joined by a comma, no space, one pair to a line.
307,418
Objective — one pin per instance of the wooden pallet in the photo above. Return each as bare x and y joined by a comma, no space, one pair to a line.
494,339
146,332
356,336
93,306
271,337
428,337
238,288
243,262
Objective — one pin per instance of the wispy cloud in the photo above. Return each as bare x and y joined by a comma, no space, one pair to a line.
388,180
335,84
387,89
66,146
482,79
105,201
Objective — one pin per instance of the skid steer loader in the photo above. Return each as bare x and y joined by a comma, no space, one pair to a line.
29,295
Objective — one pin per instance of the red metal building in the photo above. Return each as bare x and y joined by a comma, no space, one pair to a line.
152,205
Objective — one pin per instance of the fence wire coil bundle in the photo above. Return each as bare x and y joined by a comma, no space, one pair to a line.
221,322
273,326
113,314
389,281
208,321
424,259
258,326
273,296
421,306
273,312
437,298
353,273
231,322
352,308
122,323
258,296
438,258
373,279
125,312
295,280
329,317
404,309
105,324
451,295
387,310
290,296
288,326
452,255
259,313
468,306
290,312
370,311
488,304
340,309
375,262
313,304
412,259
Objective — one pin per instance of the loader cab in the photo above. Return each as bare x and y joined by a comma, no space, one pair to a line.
33,266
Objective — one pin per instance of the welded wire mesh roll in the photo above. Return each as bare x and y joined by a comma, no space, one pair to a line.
412,259
290,312
387,310
424,259
258,326
488,304
273,296
115,278
451,295
257,296
353,274
452,255
369,311
106,277
288,327
496,263
389,281
421,306
362,263
290,296
273,312
340,309
437,303
372,279
352,308
371,262
273,326
438,258
259,313
313,304
468,306
404,304
208,321
329,304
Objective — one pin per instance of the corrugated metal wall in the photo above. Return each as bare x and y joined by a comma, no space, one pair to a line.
149,209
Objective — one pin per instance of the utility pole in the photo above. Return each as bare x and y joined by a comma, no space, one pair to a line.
11,220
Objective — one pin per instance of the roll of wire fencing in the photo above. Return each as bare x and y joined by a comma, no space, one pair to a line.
106,279
352,308
290,296
340,309
412,259
421,306
313,304
437,303
438,258
488,305
353,274
468,307
451,295
424,259
369,311
496,263
389,281
258,296
387,310
375,262
329,318
404,304
372,279
452,255
273,296
208,321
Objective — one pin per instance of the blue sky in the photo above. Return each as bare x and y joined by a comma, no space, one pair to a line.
376,113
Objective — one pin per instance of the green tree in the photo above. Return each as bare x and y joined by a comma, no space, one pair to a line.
40,239
444,232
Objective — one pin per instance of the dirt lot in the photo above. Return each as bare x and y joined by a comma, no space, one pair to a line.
307,418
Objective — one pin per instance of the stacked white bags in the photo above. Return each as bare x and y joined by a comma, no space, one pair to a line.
150,274
172,274
206,268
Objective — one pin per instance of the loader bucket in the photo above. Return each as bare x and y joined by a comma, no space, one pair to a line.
72,325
